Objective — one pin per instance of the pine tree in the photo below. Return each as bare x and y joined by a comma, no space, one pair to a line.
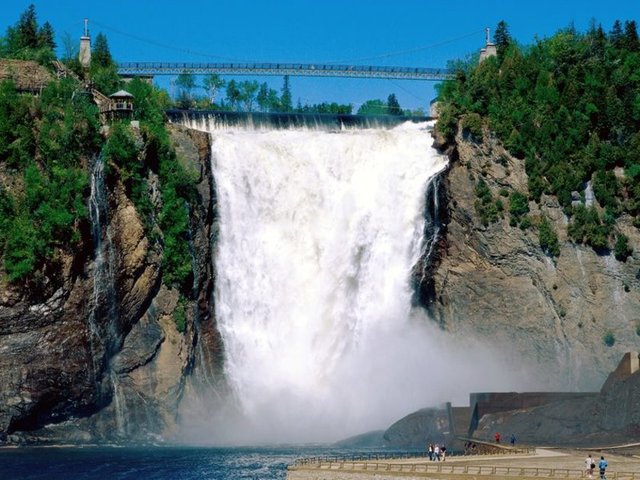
233,94
27,28
630,41
263,97
101,56
502,38
46,36
615,36
285,99
393,107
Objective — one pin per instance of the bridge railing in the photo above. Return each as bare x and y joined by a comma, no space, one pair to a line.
426,468
272,68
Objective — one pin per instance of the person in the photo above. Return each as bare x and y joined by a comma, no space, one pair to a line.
436,452
589,466
430,451
602,465
443,449
513,440
496,436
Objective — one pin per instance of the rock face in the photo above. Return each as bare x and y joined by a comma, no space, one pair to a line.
94,354
98,357
412,431
495,283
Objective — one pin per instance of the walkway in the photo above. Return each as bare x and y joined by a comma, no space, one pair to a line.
281,69
545,463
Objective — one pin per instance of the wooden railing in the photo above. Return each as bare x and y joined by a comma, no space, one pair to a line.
425,468
400,456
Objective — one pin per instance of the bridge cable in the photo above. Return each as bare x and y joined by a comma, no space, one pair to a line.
169,47
410,50
230,59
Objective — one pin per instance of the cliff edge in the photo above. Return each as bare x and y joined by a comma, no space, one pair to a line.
570,317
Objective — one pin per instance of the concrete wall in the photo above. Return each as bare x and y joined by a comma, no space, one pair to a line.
495,402
629,365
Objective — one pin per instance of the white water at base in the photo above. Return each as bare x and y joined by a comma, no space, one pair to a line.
318,234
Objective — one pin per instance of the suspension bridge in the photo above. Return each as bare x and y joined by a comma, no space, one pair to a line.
151,69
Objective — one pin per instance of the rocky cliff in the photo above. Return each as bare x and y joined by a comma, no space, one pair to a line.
96,355
570,318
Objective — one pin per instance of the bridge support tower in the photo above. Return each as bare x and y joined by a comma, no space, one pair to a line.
85,46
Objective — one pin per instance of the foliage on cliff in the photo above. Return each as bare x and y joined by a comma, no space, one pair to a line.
135,158
27,40
569,107
46,144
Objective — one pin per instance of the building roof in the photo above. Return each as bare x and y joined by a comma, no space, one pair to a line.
26,74
121,94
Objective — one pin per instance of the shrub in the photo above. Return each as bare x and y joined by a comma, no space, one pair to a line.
525,223
121,153
180,315
609,339
621,249
472,123
548,239
586,227
518,204
488,209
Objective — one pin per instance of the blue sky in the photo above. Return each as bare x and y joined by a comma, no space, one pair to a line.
374,32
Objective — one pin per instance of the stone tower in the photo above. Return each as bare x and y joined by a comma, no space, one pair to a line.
490,48
85,46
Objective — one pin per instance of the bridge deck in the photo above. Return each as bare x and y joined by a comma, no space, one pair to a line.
280,69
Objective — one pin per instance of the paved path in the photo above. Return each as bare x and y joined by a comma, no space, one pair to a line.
566,463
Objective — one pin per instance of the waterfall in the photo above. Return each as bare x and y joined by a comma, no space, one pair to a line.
103,316
319,232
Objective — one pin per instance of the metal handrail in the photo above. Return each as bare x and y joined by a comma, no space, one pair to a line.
302,69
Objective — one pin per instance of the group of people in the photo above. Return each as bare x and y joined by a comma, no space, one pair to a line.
512,439
590,465
436,452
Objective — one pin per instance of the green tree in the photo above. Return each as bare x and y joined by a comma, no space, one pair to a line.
263,97
373,107
27,41
273,101
502,38
27,29
102,71
185,82
393,106
518,204
622,250
616,35
100,53
548,238
286,104
212,83
46,36
472,124
248,91
234,95
630,41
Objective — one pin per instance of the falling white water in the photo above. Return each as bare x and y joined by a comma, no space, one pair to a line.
102,316
319,232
